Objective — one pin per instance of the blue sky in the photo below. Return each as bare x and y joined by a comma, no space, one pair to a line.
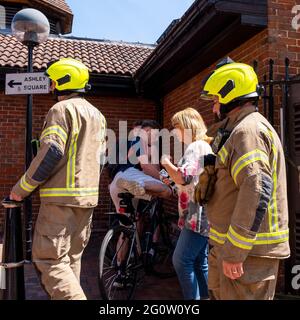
128,20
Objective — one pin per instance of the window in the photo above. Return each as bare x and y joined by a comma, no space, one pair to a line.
2,17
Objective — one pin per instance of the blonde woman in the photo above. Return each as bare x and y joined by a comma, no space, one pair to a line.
190,255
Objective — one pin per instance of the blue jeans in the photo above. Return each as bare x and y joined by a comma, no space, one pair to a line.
190,263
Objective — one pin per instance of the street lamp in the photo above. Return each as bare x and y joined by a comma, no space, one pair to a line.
31,27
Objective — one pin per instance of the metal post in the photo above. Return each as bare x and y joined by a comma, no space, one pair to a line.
271,97
265,99
28,155
290,171
285,107
13,254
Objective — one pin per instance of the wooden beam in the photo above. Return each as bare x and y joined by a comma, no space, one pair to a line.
256,7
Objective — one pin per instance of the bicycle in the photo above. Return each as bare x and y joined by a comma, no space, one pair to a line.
123,253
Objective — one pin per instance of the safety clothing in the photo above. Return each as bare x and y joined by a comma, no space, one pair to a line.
61,234
67,169
248,210
207,179
67,166
68,75
257,283
231,81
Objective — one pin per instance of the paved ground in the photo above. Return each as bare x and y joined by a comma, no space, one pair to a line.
151,288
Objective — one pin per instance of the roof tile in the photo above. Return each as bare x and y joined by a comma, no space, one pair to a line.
102,57
61,4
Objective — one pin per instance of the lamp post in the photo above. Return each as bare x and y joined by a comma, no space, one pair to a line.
31,27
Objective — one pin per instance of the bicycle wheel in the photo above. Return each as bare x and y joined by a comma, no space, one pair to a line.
162,265
169,229
118,264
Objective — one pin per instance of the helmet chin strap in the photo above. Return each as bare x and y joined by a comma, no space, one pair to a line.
226,108
68,92
57,94
221,115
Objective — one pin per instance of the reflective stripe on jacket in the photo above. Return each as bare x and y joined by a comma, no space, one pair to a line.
248,211
67,166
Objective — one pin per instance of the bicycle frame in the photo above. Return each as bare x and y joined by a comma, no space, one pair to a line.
136,238
134,250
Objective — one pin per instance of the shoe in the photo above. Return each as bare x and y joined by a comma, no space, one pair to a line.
121,282
132,186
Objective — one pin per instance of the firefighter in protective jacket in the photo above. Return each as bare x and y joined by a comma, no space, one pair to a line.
67,171
248,210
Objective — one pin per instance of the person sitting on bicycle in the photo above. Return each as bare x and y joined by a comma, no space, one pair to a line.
139,176
190,255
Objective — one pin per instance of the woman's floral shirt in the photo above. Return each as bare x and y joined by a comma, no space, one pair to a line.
191,214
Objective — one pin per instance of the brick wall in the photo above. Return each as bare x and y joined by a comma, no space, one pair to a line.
12,137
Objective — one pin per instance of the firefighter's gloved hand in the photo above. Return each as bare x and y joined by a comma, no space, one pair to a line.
207,179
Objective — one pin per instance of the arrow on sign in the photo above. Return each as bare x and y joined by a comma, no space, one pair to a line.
12,83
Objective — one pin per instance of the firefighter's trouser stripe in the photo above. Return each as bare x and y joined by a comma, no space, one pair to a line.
239,241
69,192
223,153
59,131
246,159
26,186
72,151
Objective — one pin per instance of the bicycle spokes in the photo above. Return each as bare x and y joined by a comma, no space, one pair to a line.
118,260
